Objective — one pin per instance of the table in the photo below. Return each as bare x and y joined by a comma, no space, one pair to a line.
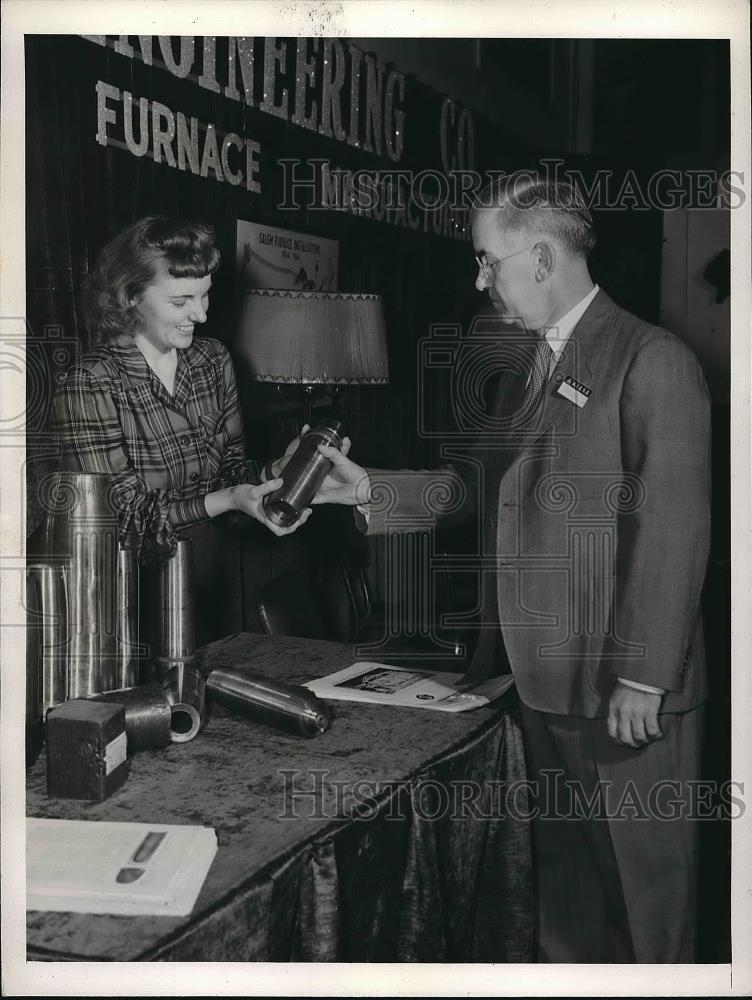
345,847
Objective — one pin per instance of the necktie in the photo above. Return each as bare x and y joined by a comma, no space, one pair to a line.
520,418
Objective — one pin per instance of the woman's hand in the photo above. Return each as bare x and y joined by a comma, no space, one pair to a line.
249,499
347,483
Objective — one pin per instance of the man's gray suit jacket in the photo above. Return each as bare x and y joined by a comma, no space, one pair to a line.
604,520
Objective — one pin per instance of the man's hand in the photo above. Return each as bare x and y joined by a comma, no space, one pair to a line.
249,499
278,464
633,717
347,483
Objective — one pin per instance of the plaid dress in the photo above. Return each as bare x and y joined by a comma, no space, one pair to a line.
113,415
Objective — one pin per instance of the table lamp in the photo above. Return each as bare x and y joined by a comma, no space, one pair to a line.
291,337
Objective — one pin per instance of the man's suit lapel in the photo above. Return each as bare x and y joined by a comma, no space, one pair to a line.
581,360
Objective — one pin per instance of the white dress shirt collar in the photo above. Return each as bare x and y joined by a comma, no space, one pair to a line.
558,335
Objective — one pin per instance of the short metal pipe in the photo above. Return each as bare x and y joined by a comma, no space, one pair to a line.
185,690
148,715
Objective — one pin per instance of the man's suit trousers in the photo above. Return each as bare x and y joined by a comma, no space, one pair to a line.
615,854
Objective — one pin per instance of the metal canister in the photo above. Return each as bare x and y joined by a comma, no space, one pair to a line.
286,706
81,528
176,640
303,474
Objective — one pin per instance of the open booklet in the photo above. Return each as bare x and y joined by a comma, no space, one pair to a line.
130,869
382,684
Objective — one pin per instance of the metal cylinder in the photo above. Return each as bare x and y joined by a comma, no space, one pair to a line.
81,528
34,714
46,582
303,474
176,641
185,690
148,715
127,619
286,706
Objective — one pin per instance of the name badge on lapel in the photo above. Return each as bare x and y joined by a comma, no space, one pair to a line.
574,391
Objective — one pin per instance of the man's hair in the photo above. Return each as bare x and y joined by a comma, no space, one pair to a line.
128,264
531,203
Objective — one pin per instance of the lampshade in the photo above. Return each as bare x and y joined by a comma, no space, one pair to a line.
332,338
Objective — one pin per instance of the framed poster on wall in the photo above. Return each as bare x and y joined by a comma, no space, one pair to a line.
267,257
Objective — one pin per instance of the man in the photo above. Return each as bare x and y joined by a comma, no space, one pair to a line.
597,506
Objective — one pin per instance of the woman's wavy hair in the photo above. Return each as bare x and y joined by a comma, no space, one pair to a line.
127,265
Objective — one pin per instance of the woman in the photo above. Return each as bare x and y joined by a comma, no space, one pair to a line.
151,405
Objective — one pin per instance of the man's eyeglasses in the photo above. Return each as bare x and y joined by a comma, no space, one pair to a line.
486,268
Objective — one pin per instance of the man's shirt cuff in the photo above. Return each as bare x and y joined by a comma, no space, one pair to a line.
641,687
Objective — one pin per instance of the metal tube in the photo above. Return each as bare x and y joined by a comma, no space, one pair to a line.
286,706
127,618
148,716
50,606
303,474
177,627
91,585
34,715
185,690
81,527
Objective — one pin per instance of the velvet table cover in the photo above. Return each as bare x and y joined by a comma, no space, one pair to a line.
385,839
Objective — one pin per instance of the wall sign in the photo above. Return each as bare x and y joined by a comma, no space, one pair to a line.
368,113
278,258
324,85
170,137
